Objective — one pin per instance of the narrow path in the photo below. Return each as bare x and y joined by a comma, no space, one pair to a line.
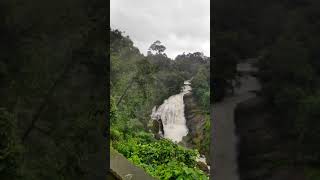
224,146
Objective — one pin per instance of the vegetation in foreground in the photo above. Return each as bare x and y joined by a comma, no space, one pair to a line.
160,158
52,83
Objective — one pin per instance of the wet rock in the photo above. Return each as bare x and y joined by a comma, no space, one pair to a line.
202,166
195,121
161,127
157,128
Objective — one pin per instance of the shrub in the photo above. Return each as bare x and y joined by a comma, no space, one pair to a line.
161,158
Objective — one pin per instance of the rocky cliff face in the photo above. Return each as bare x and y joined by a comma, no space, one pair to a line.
157,128
195,120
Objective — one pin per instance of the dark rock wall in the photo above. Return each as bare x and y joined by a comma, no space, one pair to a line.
195,121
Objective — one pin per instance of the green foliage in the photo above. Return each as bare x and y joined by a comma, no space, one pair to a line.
312,173
157,47
176,170
290,82
113,111
162,159
190,63
53,64
201,87
201,92
115,135
205,144
285,34
10,147
139,83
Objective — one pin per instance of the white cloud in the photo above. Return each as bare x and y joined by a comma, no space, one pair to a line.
181,25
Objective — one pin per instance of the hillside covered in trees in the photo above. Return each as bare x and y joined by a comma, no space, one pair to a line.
138,83
52,84
284,36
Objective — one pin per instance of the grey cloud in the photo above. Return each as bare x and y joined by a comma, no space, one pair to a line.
181,25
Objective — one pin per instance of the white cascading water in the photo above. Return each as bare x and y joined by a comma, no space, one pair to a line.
171,112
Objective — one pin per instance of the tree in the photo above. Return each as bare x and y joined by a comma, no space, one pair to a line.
42,69
157,47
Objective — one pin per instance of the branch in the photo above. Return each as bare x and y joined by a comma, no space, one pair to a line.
125,91
47,96
42,131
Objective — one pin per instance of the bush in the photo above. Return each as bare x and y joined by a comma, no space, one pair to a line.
115,135
162,159
177,170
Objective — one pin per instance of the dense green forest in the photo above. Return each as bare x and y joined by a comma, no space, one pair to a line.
285,36
140,82
52,83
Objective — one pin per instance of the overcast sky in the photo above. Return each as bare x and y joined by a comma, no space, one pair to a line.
181,25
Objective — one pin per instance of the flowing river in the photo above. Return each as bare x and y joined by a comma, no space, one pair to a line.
171,112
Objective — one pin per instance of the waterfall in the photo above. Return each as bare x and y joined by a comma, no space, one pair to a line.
171,112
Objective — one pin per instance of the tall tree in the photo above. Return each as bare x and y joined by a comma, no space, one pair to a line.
157,47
